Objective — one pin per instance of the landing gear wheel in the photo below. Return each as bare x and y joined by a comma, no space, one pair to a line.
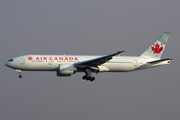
88,78
92,79
20,76
84,77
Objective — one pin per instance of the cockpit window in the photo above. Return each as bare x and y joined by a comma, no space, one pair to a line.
11,60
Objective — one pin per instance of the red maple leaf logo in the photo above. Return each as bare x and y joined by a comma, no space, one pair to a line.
156,49
30,58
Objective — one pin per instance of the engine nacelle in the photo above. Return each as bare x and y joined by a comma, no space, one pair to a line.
66,70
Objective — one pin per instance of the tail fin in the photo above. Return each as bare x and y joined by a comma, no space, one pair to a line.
156,49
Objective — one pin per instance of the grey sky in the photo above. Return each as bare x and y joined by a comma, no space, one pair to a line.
93,27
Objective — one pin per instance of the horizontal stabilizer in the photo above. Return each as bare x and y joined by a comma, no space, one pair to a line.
157,61
154,63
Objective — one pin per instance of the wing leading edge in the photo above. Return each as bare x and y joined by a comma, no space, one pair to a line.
97,61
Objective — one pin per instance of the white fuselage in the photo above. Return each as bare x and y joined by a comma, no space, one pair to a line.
51,62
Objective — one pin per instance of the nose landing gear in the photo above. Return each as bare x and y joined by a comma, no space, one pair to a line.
19,72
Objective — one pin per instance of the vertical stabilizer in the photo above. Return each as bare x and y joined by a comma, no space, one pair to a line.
156,49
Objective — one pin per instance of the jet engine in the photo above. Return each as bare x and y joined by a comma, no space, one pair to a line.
66,70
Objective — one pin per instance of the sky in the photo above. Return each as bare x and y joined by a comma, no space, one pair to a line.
89,27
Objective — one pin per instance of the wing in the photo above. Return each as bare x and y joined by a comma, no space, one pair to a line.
97,61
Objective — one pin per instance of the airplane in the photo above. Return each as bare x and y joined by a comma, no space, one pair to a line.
66,65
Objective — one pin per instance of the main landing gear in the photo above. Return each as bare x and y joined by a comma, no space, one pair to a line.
19,72
88,76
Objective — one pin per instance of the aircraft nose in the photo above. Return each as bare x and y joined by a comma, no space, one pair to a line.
7,64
